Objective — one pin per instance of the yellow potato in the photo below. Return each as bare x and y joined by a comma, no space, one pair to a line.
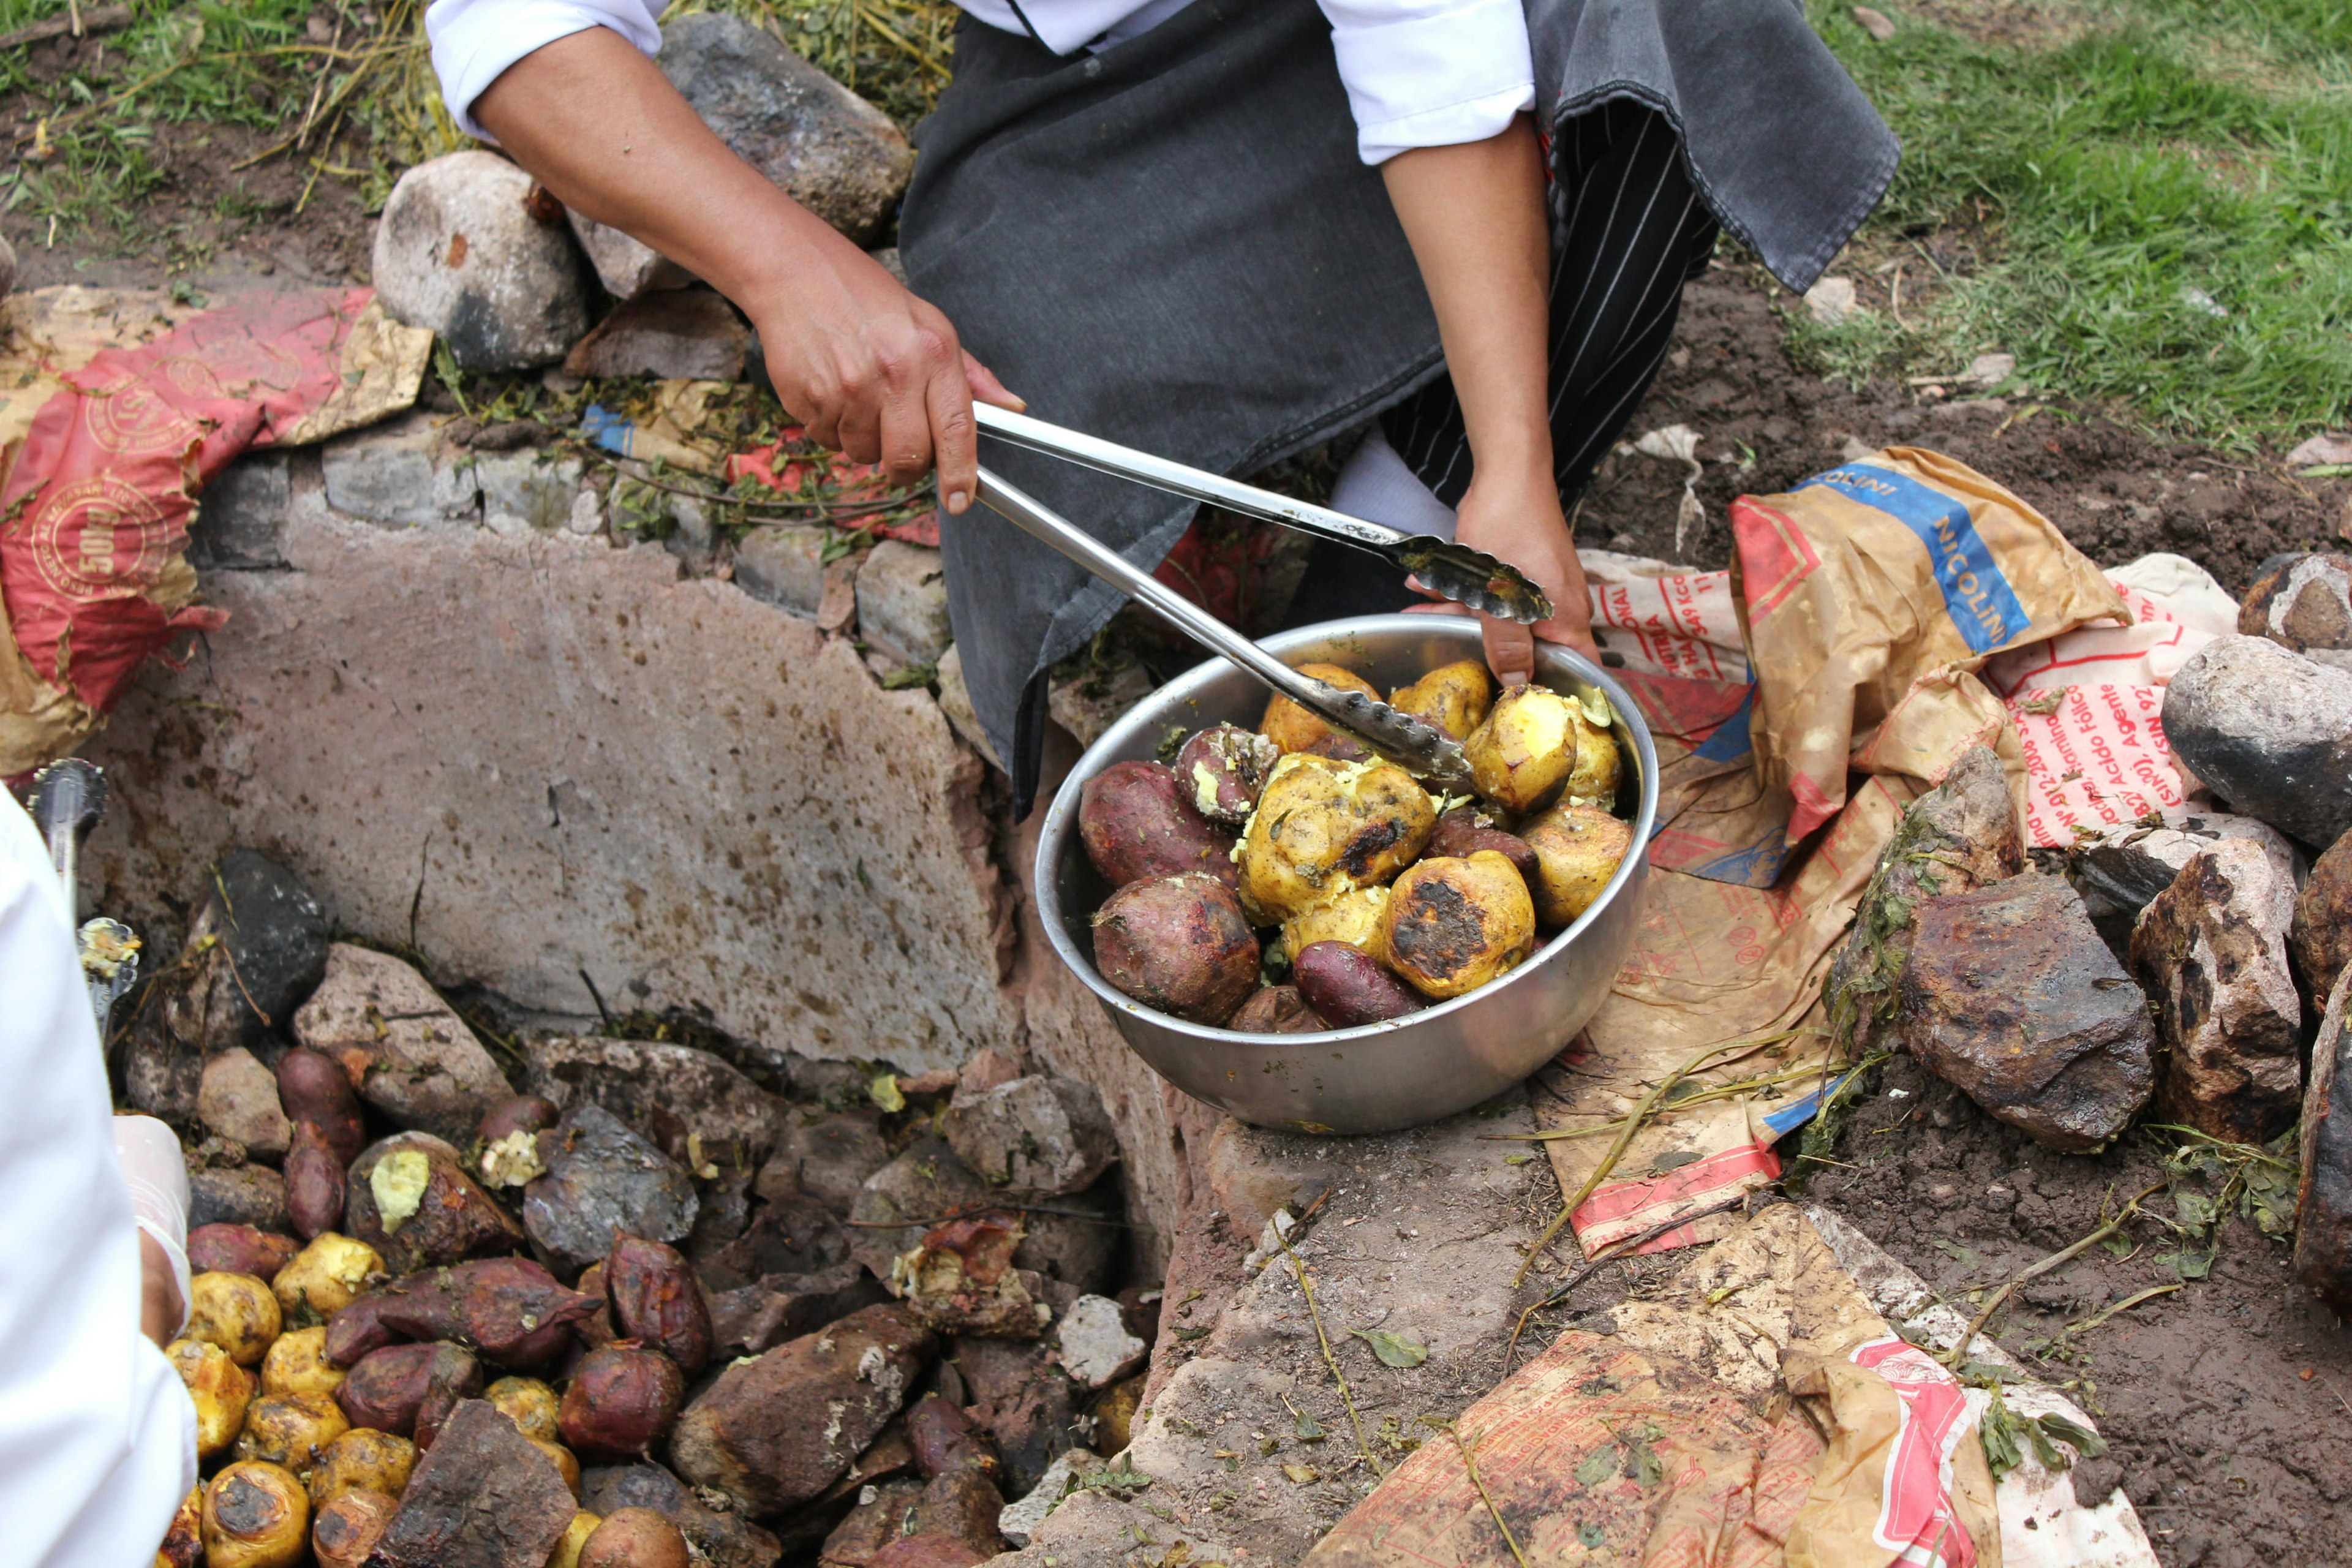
567,1463
530,1404
1522,755
256,1517
221,1388
1353,918
1578,849
292,1430
297,1364
362,1460
235,1311
1453,925
1292,728
576,1536
1599,763
1323,828
325,1277
184,1544
1453,698
344,1533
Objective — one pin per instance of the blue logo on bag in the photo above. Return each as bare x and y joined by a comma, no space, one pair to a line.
1976,595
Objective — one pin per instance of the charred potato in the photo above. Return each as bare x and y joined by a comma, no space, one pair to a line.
362,1460
1324,828
1292,728
1521,757
256,1516
345,1531
1452,698
1463,831
1355,918
297,1364
239,1249
1180,945
1137,826
292,1430
576,1536
1454,925
221,1389
235,1311
1578,849
1276,1010
634,1538
1347,988
184,1544
325,1277
530,1404
1224,768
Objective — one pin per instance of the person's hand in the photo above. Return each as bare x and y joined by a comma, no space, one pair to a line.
1522,525
161,1310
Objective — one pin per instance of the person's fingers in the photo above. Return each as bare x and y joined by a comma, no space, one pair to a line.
861,429
1510,650
955,439
1435,607
906,433
987,388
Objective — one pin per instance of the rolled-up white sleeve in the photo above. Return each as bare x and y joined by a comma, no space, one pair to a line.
475,40
1429,73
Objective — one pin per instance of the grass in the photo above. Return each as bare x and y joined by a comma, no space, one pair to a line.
2161,191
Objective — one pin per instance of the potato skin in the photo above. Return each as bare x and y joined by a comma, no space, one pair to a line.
523,1113
389,1388
319,1091
345,1531
656,1300
256,1516
314,1182
239,1249
1453,699
1292,728
362,1460
1600,764
1137,826
1276,1010
621,1402
221,1389
297,1364
291,1429
235,1311
1454,925
1180,945
510,1310
325,1278
530,1404
634,1538
1222,769
1463,831
1348,988
184,1544
1324,828
1578,849
1522,755
576,1536
1356,918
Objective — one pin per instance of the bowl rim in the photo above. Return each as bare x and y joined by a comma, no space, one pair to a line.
1061,814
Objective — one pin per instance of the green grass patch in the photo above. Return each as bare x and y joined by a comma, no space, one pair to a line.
2168,233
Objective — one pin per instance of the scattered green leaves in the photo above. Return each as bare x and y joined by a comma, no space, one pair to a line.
1393,1349
908,675
885,1093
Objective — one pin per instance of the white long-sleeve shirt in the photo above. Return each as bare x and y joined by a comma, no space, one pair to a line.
97,1437
1419,73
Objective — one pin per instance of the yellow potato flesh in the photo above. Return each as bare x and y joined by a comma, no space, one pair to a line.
1453,698
1292,728
1578,849
221,1389
1599,763
1454,925
1524,753
1323,828
235,1311
362,1460
531,1405
325,1277
1353,918
297,1364
576,1536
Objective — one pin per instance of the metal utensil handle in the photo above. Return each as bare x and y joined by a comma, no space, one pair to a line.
1179,479
1048,527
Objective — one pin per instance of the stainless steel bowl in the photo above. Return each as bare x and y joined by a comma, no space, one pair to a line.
1385,1075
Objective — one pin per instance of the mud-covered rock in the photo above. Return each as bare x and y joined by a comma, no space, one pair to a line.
879,1518
2322,1208
603,1180
1020,1519
238,1097
2304,604
944,1438
688,334
413,1057
926,1185
2010,995
795,1235
2321,937
961,1504
828,1155
1035,1136
2268,731
2211,949
485,1497
470,246
779,1429
752,1318
237,1194
723,1540
1026,1404
676,1095
410,1197
1094,1345
254,951
2119,868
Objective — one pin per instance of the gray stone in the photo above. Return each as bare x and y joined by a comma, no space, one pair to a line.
238,1099
528,488
259,942
238,1194
603,1180
399,473
627,268
1021,1518
2323,1210
2304,604
240,514
902,603
2010,995
1095,1527
955,701
687,334
831,151
783,564
1035,1136
416,1060
685,1099
2120,868
532,758
470,246
1088,700
2211,949
2268,731
827,1156
1094,1347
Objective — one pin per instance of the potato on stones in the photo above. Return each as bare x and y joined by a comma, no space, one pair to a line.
1463,831
1324,828
325,1277
292,1430
184,1544
1454,925
412,1199
221,1389
1276,1010
256,1516
239,1249
1453,699
530,1404
634,1538
235,1311
654,1299
1180,945
1136,825
314,1182
1348,988
344,1531
364,1459
314,1090
1521,757
566,1462
390,1388
1356,918
576,1536
1292,728
1224,768
1578,849
297,1364
621,1402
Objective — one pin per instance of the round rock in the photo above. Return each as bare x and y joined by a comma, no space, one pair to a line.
468,247
2268,731
2304,604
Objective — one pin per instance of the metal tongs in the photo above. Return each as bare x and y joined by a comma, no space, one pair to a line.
1468,576
69,797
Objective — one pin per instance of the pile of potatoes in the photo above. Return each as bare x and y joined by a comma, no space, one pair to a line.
318,1383
1286,881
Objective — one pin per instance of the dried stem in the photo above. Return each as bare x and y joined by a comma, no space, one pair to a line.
1470,1464
1298,1272
1959,1353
